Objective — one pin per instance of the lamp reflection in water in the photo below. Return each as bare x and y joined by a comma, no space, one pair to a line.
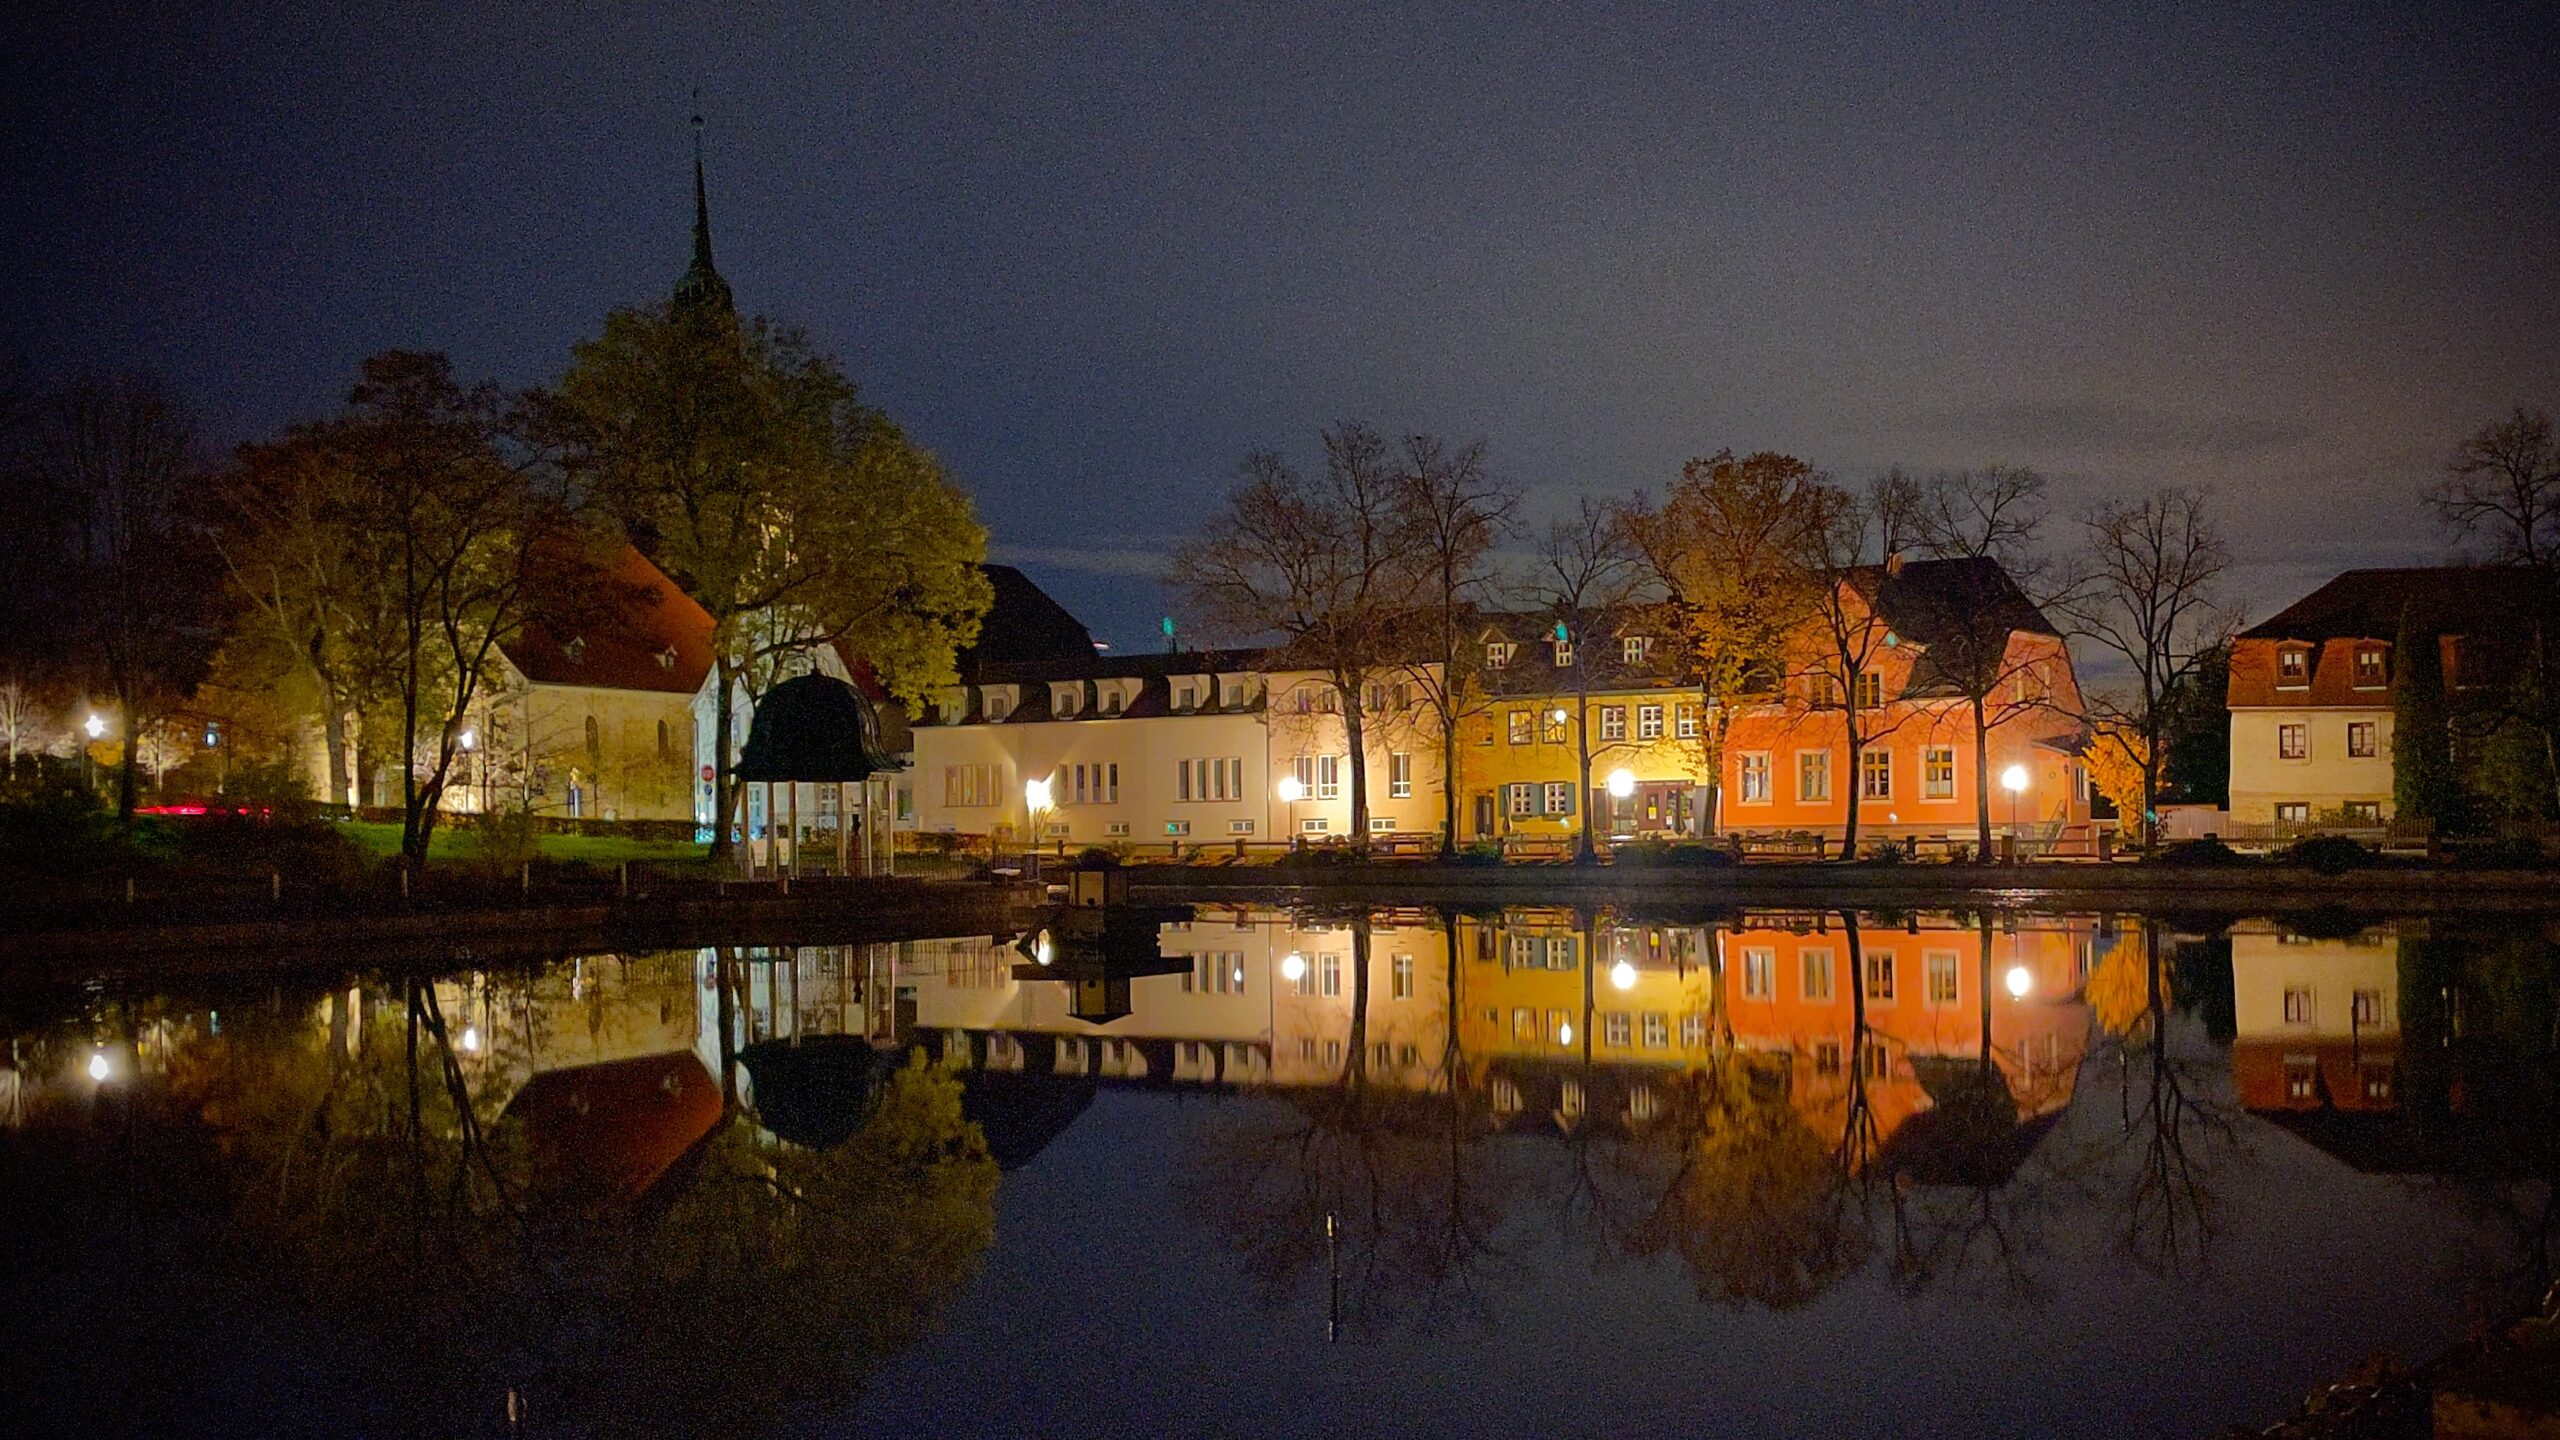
1293,968
1623,975
2020,982
99,1066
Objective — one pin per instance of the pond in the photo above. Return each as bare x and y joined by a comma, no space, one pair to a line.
1237,1169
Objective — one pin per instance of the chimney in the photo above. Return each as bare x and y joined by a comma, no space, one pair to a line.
1893,563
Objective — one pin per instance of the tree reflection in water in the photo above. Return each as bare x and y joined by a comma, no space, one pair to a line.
443,1256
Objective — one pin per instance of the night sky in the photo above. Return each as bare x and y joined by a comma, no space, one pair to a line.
1091,255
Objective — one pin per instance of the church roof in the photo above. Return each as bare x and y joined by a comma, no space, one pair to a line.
650,636
701,289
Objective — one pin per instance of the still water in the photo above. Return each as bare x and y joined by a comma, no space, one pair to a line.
1245,1170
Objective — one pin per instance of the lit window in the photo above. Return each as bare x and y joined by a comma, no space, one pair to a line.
1559,797
2297,1007
1938,773
1616,1028
1826,1057
1755,778
1520,723
2293,812
2293,668
1636,649
1400,983
2368,1009
1870,689
1942,979
1813,775
1648,722
1400,776
1657,1030
1759,974
1880,977
1613,722
2360,739
1875,774
2293,742
1688,722
2371,670
1497,654
1817,976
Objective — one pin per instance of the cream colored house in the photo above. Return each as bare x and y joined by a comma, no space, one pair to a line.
2310,693
1197,748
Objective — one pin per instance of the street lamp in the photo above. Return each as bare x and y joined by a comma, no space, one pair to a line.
1035,803
96,725
2014,780
1291,791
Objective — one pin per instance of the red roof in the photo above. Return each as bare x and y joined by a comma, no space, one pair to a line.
653,637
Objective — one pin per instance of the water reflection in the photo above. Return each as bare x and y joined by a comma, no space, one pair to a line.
721,1188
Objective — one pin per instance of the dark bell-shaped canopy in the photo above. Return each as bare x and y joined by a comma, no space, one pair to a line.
815,728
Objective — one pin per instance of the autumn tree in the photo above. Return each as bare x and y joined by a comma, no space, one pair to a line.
1587,577
1318,565
1718,549
2153,597
2501,493
744,463
1451,512
1842,556
116,463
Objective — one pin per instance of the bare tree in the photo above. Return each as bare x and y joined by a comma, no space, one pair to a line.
2153,597
2502,487
1452,513
1845,550
120,455
1588,575
1315,564
1994,517
1719,548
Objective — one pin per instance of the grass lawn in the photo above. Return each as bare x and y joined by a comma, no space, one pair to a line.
453,843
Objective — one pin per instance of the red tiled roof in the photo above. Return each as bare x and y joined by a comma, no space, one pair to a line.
653,638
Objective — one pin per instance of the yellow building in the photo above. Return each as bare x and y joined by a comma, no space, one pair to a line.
1548,700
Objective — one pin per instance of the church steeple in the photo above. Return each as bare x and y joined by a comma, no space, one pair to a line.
702,290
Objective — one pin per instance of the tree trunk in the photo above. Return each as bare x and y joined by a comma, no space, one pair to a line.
1449,797
1355,1066
723,720
1356,738
1711,735
1981,783
333,736
1849,831
1584,850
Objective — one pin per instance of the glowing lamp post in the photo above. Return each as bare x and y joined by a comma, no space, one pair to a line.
1290,793
96,726
2014,780
1035,803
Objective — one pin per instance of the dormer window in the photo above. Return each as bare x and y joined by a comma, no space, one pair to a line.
667,658
999,705
1637,649
2373,671
1111,701
1184,697
1068,703
576,649
2293,667
1497,654
1564,649
1235,697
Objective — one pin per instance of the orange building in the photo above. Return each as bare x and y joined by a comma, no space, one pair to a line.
1787,763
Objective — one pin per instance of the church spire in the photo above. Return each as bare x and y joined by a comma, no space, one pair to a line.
702,289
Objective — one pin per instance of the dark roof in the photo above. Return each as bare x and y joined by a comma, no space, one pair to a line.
1946,602
1154,672
1023,626
815,728
1599,652
2367,604
652,636
816,1090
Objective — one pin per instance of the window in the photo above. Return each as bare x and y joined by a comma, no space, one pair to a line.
1869,688
2363,812
2293,742
1329,975
1938,773
1826,1057
595,742
1564,650
1813,775
1234,697
964,786
1111,701
1068,703
2297,1006
1239,827
2368,1009
1687,719
1872,1060
1333,1052
2293,812
2360,739
1752,777
1400,776
1648,722
1942,979
1759,974
1217,973
1116,829
1378,697
1613,722
1314,825
1382,825
1559,1027
1497,654
1521,800
1817,976
1880,977
2371,672
999,704
1400,977
1569,1098
2301,1077
1321,776
1177,828
1559,797
1823,692
1560,952
1553,731
1097,784
1693,1032
1635,649
1875,774
1520,722
1617,1028
1524,1024
2293,668
1657,1030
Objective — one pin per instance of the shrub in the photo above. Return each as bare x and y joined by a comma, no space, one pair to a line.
2208,852
502,841
1095,857
1673,854
1887,852
2326,854
1478,853
1323,857
2510,854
